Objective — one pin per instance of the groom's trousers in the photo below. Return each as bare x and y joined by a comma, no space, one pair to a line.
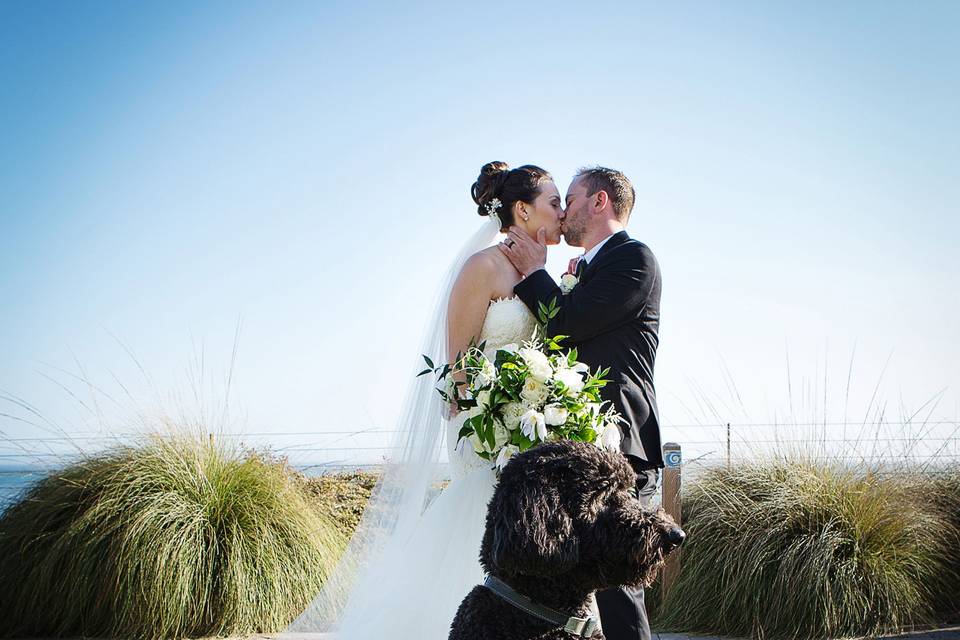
623,613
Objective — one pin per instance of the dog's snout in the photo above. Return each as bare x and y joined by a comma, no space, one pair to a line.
675,536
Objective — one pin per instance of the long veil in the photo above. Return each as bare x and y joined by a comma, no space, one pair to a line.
375,554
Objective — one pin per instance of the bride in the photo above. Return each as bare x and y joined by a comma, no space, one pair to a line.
412,560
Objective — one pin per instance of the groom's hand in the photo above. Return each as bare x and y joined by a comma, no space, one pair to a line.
526,254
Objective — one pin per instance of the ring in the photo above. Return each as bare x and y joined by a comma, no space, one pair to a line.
510,244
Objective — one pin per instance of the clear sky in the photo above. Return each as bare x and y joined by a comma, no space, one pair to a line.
169,170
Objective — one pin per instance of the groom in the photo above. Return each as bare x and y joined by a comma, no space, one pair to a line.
611,316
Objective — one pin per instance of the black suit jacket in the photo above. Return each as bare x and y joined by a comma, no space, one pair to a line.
612,317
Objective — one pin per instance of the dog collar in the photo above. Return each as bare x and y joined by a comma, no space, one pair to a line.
583,627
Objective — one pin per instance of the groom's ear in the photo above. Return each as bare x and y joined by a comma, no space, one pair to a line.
600,200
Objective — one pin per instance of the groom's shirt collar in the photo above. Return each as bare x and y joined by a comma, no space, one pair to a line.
590,255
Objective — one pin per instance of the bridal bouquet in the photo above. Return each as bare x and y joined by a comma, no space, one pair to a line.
522,395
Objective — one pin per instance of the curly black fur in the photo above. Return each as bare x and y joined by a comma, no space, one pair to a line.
562,523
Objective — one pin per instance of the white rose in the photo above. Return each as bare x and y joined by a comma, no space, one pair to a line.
572,380
567,282
483,399
610,437
478,445
505,454
533,425
537,363
534,392
555,414
511,414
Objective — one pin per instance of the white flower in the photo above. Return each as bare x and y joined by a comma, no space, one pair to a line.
567,282
505,454
533,425
534,392
483,399
580,367
571,379
500,435
511,414
473,412
478,445
555,414
449,386
609,437
537,363
486,375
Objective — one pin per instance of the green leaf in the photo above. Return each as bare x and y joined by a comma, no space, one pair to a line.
491,437
425,372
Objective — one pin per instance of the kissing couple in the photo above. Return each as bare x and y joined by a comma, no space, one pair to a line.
416,554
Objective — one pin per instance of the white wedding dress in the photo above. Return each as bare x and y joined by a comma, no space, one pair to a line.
439,562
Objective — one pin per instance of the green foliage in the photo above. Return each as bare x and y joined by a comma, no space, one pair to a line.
515,382
174,538
790,548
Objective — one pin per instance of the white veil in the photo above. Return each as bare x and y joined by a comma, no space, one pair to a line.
375,554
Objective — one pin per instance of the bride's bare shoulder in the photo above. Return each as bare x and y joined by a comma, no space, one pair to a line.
484,264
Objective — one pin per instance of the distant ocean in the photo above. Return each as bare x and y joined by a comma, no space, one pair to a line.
14,481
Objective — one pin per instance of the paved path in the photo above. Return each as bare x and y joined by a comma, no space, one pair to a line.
952,633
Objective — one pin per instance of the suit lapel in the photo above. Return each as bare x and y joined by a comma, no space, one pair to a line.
615,241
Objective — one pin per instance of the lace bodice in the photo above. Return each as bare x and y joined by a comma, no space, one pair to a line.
508,321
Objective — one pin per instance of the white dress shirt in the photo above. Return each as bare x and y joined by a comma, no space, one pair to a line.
590,255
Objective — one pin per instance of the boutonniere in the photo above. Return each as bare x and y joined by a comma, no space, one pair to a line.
567,282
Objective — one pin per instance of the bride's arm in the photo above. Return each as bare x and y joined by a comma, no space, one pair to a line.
467,308
469,299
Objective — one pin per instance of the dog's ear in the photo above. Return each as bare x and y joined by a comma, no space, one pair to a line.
533,533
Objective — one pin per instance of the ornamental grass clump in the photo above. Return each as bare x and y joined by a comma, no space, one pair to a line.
790,548
940,489
177,537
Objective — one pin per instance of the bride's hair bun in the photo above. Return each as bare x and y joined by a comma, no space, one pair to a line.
489,184
498,180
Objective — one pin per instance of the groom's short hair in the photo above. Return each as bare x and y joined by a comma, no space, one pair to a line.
614,183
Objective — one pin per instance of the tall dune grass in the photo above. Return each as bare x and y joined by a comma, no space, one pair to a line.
940,490
791,548
176,537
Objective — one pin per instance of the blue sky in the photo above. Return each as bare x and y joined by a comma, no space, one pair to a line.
170,170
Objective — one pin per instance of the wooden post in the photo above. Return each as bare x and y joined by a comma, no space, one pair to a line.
672,460
728,445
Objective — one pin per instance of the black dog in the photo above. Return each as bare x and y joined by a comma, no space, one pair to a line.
563,522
